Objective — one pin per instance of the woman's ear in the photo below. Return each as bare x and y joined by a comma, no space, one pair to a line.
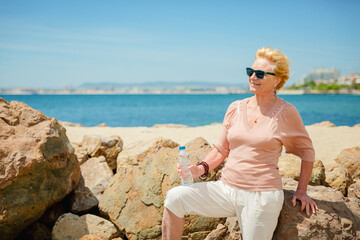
278,80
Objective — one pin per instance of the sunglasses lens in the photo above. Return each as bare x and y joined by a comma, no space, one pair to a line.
249,72
260,74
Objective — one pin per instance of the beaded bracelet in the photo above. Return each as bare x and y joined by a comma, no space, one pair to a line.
206,167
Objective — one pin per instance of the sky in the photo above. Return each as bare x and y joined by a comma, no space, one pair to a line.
54,44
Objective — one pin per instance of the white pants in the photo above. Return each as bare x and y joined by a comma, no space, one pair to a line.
257,212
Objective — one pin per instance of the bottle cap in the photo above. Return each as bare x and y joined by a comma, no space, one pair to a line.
181,147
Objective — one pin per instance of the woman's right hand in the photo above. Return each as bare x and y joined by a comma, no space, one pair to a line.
196,171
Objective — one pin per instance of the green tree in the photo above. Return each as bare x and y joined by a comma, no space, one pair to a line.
321,86
311,84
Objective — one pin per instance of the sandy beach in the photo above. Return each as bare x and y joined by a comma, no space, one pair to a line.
328,141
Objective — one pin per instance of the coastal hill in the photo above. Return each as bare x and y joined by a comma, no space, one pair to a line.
160,85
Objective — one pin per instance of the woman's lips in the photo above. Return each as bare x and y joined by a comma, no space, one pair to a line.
254,84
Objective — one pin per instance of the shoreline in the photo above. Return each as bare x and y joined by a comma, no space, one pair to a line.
319,92
188,92
328,141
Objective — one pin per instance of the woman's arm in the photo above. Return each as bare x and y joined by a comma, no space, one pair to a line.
297,141
214,158
300,194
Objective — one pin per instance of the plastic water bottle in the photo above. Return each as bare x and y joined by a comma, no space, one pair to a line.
184,163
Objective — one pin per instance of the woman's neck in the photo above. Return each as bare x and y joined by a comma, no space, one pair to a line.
265,101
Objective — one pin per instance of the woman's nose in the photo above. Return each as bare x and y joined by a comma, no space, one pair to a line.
253,77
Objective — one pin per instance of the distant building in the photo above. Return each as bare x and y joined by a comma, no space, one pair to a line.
349,79
325,75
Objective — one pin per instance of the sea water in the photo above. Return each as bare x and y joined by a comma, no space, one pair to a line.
197,110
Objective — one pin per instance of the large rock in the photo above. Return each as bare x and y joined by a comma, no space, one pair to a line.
134,200
338,177
228,231
109,147
219,232
71,226
337,218
80,152
334,219
354,190
354,205
95,178
350,158
137,152
37,166
93,237
98,237
290,166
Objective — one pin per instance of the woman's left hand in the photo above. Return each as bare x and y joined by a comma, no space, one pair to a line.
306,202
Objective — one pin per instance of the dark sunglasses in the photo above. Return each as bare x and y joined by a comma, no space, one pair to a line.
258,73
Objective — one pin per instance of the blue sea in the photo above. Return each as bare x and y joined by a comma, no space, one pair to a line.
191,110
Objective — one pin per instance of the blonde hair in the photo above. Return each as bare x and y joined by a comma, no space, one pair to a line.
281,63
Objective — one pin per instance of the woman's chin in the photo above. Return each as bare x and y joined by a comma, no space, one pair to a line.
254,90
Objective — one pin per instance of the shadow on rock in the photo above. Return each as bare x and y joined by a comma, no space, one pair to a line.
333,220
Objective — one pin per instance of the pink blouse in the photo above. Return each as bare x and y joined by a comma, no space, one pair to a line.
253,153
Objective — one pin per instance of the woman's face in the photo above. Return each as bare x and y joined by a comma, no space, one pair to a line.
268,83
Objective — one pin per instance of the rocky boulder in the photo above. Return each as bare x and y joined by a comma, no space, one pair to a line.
80,152
95,178
98,237
134,199
93,237
354,190
137,152
338,177
109,147
290,166
228,231
38,166
337,218
350,158
71,226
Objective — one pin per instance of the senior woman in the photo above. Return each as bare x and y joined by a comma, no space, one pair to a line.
253,133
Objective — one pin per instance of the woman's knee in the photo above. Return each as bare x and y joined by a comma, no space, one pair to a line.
173,201
173,195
